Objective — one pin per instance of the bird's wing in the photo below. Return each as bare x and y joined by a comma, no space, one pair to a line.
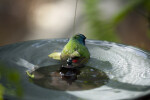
55,55
75,54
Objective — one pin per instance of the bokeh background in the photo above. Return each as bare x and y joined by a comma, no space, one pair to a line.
121,21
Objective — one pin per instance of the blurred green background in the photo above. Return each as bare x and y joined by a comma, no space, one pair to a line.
12,86
122,21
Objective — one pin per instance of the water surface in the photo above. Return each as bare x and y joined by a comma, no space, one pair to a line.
60,78
126,68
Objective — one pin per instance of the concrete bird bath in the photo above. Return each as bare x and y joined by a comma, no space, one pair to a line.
125,69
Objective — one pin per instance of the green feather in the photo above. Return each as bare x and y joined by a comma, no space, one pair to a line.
55,55
75,49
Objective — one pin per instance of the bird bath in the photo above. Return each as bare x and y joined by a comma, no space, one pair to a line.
125,71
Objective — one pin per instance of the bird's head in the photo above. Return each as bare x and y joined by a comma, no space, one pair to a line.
80,37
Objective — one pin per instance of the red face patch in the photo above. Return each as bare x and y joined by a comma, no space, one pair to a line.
75,61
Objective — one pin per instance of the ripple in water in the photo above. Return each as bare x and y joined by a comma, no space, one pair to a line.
129,65
59,78
125,67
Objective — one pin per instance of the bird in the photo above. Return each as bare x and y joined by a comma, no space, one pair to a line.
74,53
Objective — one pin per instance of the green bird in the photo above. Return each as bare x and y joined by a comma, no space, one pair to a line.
75,50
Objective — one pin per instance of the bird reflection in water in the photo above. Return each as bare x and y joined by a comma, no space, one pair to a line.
69,74
62,78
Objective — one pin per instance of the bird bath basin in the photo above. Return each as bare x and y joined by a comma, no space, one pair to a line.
124,69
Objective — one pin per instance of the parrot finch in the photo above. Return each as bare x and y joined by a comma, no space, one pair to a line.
74,51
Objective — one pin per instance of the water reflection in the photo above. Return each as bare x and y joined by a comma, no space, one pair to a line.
69,74
60,78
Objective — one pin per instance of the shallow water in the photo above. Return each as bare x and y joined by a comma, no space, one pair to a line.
127,67
60,78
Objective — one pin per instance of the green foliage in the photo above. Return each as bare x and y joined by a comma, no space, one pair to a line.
13,86
146,5
105,30
1,91
98,29
127,9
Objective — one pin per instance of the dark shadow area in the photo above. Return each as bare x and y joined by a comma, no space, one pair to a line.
145,97
127,86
